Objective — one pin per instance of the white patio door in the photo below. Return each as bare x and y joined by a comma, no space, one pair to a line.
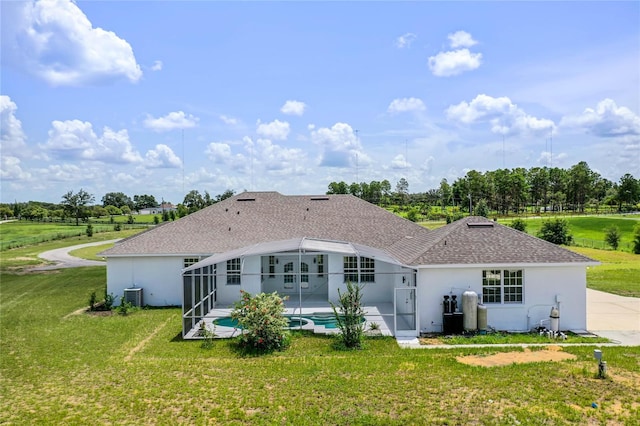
405,312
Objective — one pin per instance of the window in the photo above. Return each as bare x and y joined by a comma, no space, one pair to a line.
512,286
272,266
233,271
502,286
320,262
367,269
189,261
304,269
289,278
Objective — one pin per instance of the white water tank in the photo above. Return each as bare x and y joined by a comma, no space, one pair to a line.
470,310
482,318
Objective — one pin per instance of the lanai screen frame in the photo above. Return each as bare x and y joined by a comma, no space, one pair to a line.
193,275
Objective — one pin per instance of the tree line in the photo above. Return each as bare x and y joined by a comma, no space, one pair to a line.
506,191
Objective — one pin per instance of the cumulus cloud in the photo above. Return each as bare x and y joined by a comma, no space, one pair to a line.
461,39
340,146
75,139
171,121
54,40
405,40
606,120
504,116
400,162
454,62
293,108
280,160
218,152
228,120
11,169
278,130
162,157
157,66
11,134
405,105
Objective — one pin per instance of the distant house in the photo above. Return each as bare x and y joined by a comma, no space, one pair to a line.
164,207
308,247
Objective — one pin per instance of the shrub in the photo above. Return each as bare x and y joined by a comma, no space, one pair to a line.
262,320
481,208
131,220
117,227
412,214
125,307
89,230
636,239
349,317
156,220
519,224
108,300
556,231
92,301
208,334
612,236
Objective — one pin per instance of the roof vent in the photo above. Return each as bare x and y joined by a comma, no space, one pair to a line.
246,199
480,225
319,198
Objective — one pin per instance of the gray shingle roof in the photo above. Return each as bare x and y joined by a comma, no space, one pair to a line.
257,217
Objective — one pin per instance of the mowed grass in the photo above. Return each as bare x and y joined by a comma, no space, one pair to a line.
619,272
61,366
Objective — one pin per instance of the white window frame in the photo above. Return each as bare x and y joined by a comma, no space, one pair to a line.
367,269
233,271
506,285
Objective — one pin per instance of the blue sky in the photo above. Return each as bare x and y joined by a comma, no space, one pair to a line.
164,97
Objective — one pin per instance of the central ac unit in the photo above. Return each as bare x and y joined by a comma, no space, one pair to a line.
133,296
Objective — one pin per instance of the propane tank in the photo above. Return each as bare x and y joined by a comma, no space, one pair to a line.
470,310
555,319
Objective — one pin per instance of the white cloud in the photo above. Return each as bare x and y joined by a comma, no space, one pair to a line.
218,152
173,120
405,40
279,160
162,157
504,116
461,39
54,40
157,66
606,120
11,134
340,146
11,169
293,108
278,130
74,139
446,64
405,105
400,162
228,120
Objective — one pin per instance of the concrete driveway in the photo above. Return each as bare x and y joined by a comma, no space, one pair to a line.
63,259
614,317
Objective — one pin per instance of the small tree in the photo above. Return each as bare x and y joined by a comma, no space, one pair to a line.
481,209
76,204
519,224
349,316
612,236
556,231
89,230
636,239
262,320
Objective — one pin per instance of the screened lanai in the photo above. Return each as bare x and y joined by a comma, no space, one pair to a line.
307,270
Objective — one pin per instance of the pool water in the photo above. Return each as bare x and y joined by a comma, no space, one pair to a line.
327,320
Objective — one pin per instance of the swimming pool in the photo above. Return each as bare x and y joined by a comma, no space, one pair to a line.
328,320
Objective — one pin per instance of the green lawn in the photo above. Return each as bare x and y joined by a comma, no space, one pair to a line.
619,272
62,366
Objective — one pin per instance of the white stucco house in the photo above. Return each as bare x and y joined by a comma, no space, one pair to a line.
308,247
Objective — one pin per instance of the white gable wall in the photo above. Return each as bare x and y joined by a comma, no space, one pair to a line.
541,286
159,277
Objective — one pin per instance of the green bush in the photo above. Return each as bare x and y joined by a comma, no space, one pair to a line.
262,320
519,224
555,231
636,239
125,307
612,236
349,317
89,230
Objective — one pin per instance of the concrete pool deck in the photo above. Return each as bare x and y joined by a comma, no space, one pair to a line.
379,314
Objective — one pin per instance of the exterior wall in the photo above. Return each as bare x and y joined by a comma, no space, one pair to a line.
159,277
544,287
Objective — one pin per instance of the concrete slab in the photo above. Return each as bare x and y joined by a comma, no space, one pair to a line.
614,317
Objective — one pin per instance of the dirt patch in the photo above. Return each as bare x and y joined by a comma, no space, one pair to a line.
549,354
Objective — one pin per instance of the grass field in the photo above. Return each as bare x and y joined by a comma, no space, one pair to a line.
619,272
61,366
